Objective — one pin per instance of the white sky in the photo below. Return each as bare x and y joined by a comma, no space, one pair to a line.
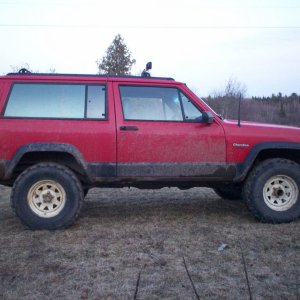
202,43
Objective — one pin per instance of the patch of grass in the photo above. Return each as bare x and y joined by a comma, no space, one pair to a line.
125,236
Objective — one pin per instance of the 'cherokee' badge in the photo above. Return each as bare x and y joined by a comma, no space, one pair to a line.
240,145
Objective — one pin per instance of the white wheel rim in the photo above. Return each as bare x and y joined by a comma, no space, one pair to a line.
280,192
46,198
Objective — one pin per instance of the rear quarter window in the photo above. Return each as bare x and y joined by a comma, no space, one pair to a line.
43,100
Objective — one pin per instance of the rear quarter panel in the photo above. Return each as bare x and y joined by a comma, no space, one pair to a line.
95,139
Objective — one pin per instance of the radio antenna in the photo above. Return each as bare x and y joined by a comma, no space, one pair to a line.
239,110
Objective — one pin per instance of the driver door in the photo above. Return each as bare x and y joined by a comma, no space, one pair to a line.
160,133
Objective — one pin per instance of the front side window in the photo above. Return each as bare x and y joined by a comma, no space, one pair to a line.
70,101
157,104
151,103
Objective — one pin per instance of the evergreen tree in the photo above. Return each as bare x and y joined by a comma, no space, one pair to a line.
117,59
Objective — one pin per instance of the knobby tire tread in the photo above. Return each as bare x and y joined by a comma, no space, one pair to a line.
255,173
64,169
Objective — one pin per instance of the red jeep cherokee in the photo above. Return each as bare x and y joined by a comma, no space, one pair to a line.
62,134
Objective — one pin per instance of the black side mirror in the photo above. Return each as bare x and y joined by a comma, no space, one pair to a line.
145,73
207,117
149,66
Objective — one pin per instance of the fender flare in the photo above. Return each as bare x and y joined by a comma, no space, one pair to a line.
244,167
45,147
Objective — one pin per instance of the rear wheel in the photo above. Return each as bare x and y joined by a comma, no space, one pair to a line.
272,191
47,196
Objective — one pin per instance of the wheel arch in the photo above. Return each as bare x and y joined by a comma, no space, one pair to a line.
267,150
64,154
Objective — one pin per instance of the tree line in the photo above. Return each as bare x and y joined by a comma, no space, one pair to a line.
283,111
276,109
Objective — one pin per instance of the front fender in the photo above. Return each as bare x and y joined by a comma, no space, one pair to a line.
244,167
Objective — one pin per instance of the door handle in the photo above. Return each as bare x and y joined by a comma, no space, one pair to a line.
129,128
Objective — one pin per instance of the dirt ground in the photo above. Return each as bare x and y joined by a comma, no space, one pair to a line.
151,244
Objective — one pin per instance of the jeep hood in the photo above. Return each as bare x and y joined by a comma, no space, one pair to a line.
253,132
251,124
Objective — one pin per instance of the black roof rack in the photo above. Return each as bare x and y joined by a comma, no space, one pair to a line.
25,72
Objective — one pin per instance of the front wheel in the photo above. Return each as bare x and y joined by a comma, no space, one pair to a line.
272,191
47,196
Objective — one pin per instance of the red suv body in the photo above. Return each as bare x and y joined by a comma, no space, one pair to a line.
62,134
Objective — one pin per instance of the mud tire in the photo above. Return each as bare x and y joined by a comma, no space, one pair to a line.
54,184
272,191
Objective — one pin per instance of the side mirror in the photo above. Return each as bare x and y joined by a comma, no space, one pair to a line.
149,66
207,117
145,73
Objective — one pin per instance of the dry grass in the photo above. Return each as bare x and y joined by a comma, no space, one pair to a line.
132,244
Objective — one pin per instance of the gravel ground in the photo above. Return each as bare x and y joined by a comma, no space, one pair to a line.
151,244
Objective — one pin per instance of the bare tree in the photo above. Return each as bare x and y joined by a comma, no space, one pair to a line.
17,68
235,88
224,101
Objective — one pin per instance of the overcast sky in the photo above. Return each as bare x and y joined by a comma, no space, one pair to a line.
202,43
